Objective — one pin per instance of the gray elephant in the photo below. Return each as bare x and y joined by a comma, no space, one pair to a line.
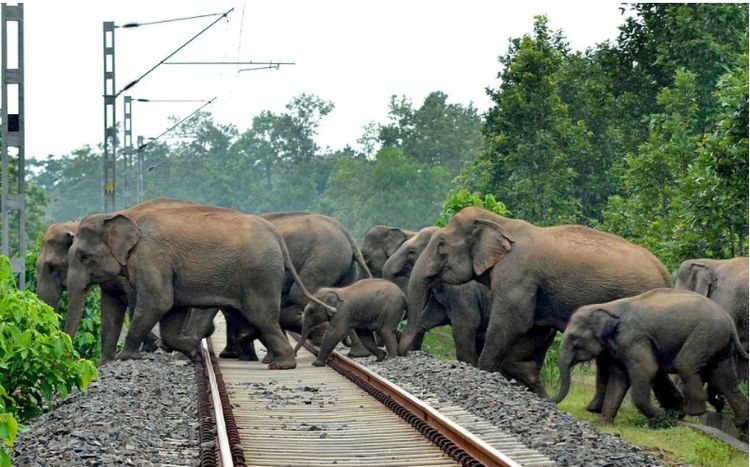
187,256
667,330
380,242
537,275
724,281
116,295
466,308
325,254
371,306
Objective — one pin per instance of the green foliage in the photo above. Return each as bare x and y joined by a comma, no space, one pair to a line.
37,359
392,189
462,198
8,428
87,341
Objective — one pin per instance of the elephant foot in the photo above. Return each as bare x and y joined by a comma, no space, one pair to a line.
128,355
358,353
695,408
380,356
249,358
267,359
228,353
317,362
595,406
151,346
605,420
282,364
104,360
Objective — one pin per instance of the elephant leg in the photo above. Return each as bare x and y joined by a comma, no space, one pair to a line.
715,398
113,315
642,368
265,317
667,393
234,322
603,364
368,340
358,347
433,315
507,324
616,388
526,373
464,338
724,378
247,350
171,326
151,341
391,342
143,322
334,335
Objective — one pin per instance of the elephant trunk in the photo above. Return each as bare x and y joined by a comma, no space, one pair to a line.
77,290
565,362
419,288
392,271
49,290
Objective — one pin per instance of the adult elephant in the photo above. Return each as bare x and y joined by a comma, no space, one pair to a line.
116,295
380,242
725,281
188,256
325,254
537,276
466,308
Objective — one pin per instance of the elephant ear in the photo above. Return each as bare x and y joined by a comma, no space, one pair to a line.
604,323
393,240
332,298
701,279
121,235
490,243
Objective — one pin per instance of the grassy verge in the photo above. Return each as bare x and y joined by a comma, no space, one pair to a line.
676,445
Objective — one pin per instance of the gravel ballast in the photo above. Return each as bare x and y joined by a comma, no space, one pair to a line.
139,412
535,423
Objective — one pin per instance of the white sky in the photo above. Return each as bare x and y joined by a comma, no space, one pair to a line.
356,54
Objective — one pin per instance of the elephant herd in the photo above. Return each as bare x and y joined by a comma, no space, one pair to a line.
505,286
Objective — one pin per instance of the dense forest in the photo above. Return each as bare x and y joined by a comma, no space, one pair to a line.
645,136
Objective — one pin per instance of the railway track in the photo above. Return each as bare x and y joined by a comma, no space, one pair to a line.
342,414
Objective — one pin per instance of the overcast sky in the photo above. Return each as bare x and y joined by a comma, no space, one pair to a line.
354,53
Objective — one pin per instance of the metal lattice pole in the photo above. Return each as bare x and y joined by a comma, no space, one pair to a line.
140,169
127,125
13,136
110,117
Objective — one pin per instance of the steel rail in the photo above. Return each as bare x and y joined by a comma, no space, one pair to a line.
460,437
225,452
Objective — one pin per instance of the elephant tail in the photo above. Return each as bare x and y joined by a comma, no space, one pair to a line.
355,250
738,344
293,272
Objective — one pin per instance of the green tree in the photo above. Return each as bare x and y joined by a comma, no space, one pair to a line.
391,189
435,134
532,143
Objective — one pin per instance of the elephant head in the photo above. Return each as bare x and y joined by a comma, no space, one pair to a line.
316,315
469,247
586,336
52,263
381,241
399,266
98,254
696,276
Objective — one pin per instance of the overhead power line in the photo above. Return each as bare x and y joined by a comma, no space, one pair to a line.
177,124
185,18
135,81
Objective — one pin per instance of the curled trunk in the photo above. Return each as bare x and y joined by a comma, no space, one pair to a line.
565,362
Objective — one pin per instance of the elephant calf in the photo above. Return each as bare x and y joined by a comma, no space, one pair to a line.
367,306
663,330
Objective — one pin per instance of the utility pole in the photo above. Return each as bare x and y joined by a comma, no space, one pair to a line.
13,136
127,124
110,143
140,169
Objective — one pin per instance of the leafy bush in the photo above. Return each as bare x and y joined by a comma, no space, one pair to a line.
462,198
37,359
8,429
87,341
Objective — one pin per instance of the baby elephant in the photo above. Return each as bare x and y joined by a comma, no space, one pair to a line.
368,306
662,330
